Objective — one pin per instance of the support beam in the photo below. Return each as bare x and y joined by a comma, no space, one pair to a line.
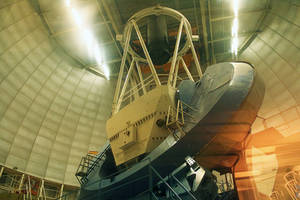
21,182
61,191
108,27
259,25
55,34
29,187
41,189
241,13
176,73
134,91
1,171
27,192
110,8
140,77
44,192
110,31
153,71
224,54
134,81
174,58
106,62
204,29
124,87
186,70
118,86
189,38
113,61
12,181
213,58
245,34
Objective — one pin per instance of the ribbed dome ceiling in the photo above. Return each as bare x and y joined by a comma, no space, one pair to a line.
276,55
52,111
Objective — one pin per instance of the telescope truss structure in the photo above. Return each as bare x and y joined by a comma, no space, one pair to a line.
139,83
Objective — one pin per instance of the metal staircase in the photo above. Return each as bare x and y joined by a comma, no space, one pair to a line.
88,164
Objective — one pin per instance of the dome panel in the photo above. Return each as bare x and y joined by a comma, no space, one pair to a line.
49,105
276,53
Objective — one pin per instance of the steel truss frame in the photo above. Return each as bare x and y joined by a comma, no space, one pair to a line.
136,59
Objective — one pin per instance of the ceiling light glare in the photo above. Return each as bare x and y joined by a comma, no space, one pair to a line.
68,3
97,54
98,57
77,17
89,40
235,7
235,28
88,37
106,71
234,45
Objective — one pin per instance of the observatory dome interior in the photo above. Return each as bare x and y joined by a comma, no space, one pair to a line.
59,63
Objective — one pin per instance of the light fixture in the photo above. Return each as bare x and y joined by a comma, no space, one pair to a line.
235,7
234,31
106,71
77,17
68,3
88,38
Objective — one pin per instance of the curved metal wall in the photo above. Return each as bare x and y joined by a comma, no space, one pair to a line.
51,111
276,54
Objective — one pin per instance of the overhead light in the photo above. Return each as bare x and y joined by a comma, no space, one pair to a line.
77,17
235,7
234,46
89,40
97,54
106,71
99,60
235,28
68,3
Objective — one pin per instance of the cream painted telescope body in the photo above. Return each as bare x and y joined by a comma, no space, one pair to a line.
134,130
162,119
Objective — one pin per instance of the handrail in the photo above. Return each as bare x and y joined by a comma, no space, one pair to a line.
174,177
153,195
151,169
149,80
139,84
136,91
170,188
90,168
97,159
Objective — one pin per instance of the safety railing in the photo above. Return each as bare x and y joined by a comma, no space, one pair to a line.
143,87
292,185
182,113
175,120
88,164
275,195
148,84
152,173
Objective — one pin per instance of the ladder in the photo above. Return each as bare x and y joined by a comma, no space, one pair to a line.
175,120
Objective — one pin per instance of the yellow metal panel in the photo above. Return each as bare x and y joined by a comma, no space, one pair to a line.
140,118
